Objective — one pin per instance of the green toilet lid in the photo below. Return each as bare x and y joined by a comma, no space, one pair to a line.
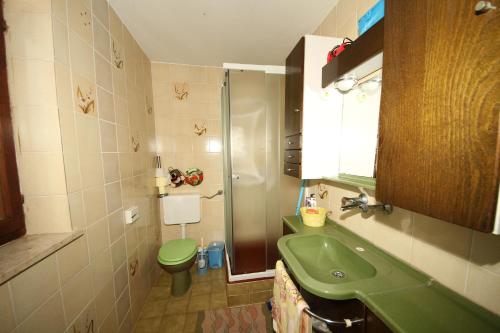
177,251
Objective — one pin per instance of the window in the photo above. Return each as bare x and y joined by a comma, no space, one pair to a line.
11,201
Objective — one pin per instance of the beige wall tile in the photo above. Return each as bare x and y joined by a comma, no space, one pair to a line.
100,10
6,310
33,287
80,19
102,40
84,94
84,319
104,302
37,6
72,170
115,25
124,139
119,80
113,197
77,293
88,134
38,129
102,270
49,318
329,25
485,251
91,169
116,225
64,90
68,132
73,258
120,279
108,137
42,174
111,167
118,253
34,83
393,233
103,72
110,323
123,305
60,35
121,111
349,27
98,238
81,56
483,287
58,8
105,105
441,250
345,8
30,35
37,208
131,239
77,210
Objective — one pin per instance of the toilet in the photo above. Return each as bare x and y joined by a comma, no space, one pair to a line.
178,255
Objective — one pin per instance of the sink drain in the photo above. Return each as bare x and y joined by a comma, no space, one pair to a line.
338,274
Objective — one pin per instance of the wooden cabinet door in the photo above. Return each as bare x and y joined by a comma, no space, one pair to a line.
439,140
294,85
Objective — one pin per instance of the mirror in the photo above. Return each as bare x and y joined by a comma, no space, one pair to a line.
359,131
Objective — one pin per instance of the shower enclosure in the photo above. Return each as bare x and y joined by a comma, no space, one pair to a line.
257,194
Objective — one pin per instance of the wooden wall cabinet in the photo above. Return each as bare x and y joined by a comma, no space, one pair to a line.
312,118
439,120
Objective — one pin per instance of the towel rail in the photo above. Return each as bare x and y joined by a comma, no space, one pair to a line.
219,192
345,322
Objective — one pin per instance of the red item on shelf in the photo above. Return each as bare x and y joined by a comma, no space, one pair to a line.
338,49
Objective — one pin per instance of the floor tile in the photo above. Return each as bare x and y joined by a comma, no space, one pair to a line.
218,301
201,288
153,309
173,323
261,296
176,306
160,293
218,286
238,288
149,325
190,324
238,300
199,303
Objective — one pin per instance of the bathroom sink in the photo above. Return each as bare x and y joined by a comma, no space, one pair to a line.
327,260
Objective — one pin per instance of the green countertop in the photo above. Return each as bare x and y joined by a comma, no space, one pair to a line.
406,299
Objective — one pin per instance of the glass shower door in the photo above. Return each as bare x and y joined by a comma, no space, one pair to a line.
248,112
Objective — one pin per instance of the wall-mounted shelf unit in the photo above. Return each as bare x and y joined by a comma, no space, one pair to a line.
361,51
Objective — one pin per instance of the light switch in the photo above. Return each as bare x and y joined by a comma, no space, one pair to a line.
131,214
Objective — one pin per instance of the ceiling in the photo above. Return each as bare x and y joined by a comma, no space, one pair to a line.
211,32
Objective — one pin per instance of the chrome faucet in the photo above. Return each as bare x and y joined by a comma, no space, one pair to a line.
361,202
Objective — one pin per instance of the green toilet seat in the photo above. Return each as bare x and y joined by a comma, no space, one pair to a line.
177,251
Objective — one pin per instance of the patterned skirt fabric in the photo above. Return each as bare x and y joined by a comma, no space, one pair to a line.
244,319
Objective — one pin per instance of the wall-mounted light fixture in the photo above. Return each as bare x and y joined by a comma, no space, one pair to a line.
345,83
371,85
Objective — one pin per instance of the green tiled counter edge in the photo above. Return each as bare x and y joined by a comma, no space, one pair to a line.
407,300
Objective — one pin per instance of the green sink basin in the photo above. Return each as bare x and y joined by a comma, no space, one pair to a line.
327,260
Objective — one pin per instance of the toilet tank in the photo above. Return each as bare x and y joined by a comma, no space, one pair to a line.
180,208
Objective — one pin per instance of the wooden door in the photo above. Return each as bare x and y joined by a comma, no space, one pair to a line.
11,205
294,85
439,140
